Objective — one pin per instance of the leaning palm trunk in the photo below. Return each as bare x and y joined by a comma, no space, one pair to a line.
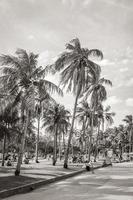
64,145
83,137
104,151
87,140
60,146
21,150
86,147
37,140
71,132
98,130
55,145
90,142
72,147
3,152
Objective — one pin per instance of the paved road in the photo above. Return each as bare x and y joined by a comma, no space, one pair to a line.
112,183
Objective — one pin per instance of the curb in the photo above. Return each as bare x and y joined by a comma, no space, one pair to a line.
31,186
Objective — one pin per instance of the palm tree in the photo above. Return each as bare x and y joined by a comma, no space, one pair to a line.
63,130
84,114
54,117
106,115
21,78
97,93
77,72
122,139
8,118
102,116
19,74
4,135
30,139
44,89
129,121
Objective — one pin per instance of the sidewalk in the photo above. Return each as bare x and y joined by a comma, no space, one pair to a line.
34,175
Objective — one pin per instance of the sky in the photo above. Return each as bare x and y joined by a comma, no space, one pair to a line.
45,26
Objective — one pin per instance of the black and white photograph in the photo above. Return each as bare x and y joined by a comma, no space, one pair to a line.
66,99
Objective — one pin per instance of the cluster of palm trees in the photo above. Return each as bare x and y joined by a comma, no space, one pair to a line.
26,97
119,139
100,118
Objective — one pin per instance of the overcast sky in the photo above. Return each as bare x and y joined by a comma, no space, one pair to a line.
44,26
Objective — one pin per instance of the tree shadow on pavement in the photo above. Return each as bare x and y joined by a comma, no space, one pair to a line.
8,182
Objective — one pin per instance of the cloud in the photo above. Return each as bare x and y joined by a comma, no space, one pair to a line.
31,1
45,58
113,100
72,3
64,1
124,69
31,37
129,52
105,62
129,102
125,61
122,4
129,82
86,2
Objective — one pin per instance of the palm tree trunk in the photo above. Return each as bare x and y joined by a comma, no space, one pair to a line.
21,150
90,143
96,151
71,131
37,140
64,145
45,152
87,139
3,152
83,137
86,147
60,146
55,146
72,148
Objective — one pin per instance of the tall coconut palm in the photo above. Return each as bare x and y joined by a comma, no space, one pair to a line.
19,74
122,138
65,126
30,139
129,121
63,131
55,116
84,114
44,90
4,134
97,93
8,118
102,116
77,72
105,115
21,77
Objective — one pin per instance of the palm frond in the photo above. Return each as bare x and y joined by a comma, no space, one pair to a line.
76,44
6,60
96,53
105,81
51,87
